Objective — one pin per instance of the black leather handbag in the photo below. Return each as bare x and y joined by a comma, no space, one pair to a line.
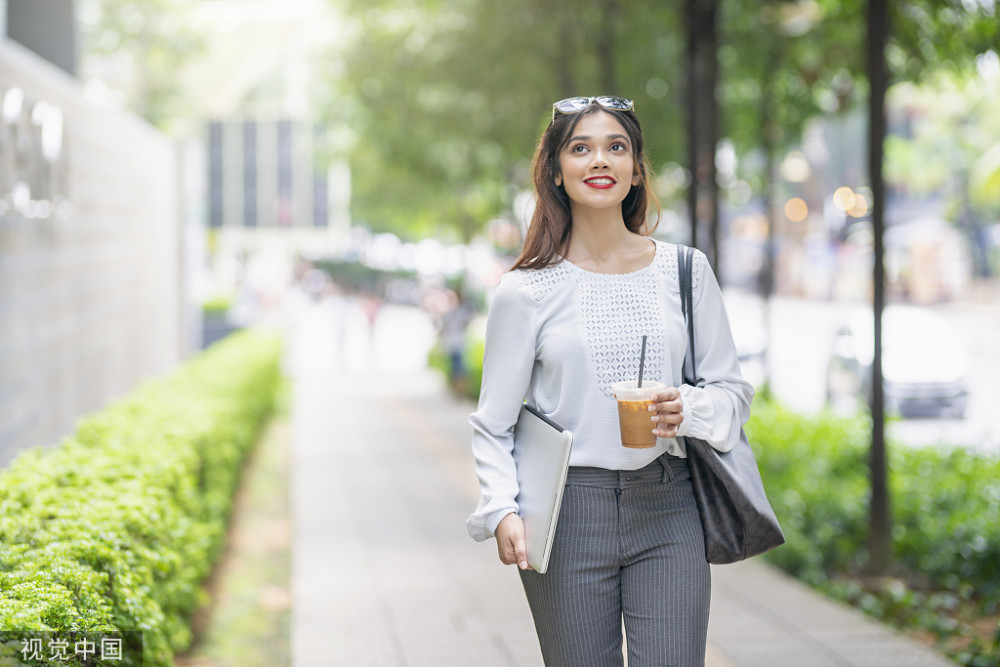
736,516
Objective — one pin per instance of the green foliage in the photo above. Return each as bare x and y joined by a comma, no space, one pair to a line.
474,351
808,64
815,470
115,529
217,307
139,47
473,359
356,277
953,495
247,623
437,105
946,537
445,100
949,140
928,35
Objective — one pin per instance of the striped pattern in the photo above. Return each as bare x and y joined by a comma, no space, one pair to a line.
628,547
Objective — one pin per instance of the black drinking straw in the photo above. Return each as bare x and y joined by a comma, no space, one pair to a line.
642,361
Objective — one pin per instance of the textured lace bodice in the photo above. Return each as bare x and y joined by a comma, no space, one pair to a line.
615,311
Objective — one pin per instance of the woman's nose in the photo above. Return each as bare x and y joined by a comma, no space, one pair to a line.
599,160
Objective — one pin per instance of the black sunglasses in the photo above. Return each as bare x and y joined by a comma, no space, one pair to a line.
578,104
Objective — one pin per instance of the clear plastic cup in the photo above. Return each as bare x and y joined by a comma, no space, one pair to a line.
634,417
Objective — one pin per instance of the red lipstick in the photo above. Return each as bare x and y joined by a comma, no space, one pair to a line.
600,182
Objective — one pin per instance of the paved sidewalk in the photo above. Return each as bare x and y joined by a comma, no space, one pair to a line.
384,573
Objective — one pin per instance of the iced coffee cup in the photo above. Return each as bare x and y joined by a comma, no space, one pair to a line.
634,417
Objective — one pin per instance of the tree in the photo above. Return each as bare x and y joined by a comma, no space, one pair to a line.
701,23
947,140
139,47
437,102
923,31
784,63
925,35
880,535
444,100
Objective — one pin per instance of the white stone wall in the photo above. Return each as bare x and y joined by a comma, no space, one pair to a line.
90,302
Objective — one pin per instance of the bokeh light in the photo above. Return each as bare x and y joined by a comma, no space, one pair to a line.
795,167
861,206
843,198
796,209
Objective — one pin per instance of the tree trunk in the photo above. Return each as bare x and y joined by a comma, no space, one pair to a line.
880,537
703,127
605,35
969,222
564,50
769,131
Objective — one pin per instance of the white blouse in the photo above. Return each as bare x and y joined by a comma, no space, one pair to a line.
560,336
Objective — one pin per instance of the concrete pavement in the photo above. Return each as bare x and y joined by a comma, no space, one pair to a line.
384,573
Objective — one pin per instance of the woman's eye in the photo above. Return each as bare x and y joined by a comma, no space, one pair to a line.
579,148
619,147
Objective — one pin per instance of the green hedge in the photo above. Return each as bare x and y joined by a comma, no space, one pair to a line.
946,534
473,358
116,528
815,470
217,306
356,277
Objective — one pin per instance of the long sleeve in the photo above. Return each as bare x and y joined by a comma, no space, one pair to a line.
507,366
716,410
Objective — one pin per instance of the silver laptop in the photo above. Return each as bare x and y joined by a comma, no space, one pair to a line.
541,453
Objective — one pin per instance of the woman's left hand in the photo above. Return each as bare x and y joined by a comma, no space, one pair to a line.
668,408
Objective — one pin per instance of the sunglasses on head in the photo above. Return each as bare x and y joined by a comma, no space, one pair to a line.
578,104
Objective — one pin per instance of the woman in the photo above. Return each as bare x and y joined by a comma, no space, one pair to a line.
565,324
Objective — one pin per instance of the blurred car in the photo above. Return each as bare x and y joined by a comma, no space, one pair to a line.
925,367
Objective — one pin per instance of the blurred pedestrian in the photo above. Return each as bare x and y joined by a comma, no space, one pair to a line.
564,325
371,305
338,306
454,324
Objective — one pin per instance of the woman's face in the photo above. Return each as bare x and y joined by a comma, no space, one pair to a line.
597,166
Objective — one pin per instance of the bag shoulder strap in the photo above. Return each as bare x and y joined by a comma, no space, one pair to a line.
685,259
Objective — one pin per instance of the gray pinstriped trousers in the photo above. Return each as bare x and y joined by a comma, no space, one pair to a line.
628,546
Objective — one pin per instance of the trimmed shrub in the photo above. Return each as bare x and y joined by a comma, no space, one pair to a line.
115,529
815,470
946,536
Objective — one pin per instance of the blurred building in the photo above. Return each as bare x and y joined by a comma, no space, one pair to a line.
269,191
264,177
46,27
91,249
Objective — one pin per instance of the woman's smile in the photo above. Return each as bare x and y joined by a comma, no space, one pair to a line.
601,182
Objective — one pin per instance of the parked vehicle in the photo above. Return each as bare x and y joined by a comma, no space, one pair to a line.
925,367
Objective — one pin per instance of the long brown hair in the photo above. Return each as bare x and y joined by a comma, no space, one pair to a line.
551,223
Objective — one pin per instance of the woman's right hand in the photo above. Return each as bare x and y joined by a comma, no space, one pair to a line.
510,541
